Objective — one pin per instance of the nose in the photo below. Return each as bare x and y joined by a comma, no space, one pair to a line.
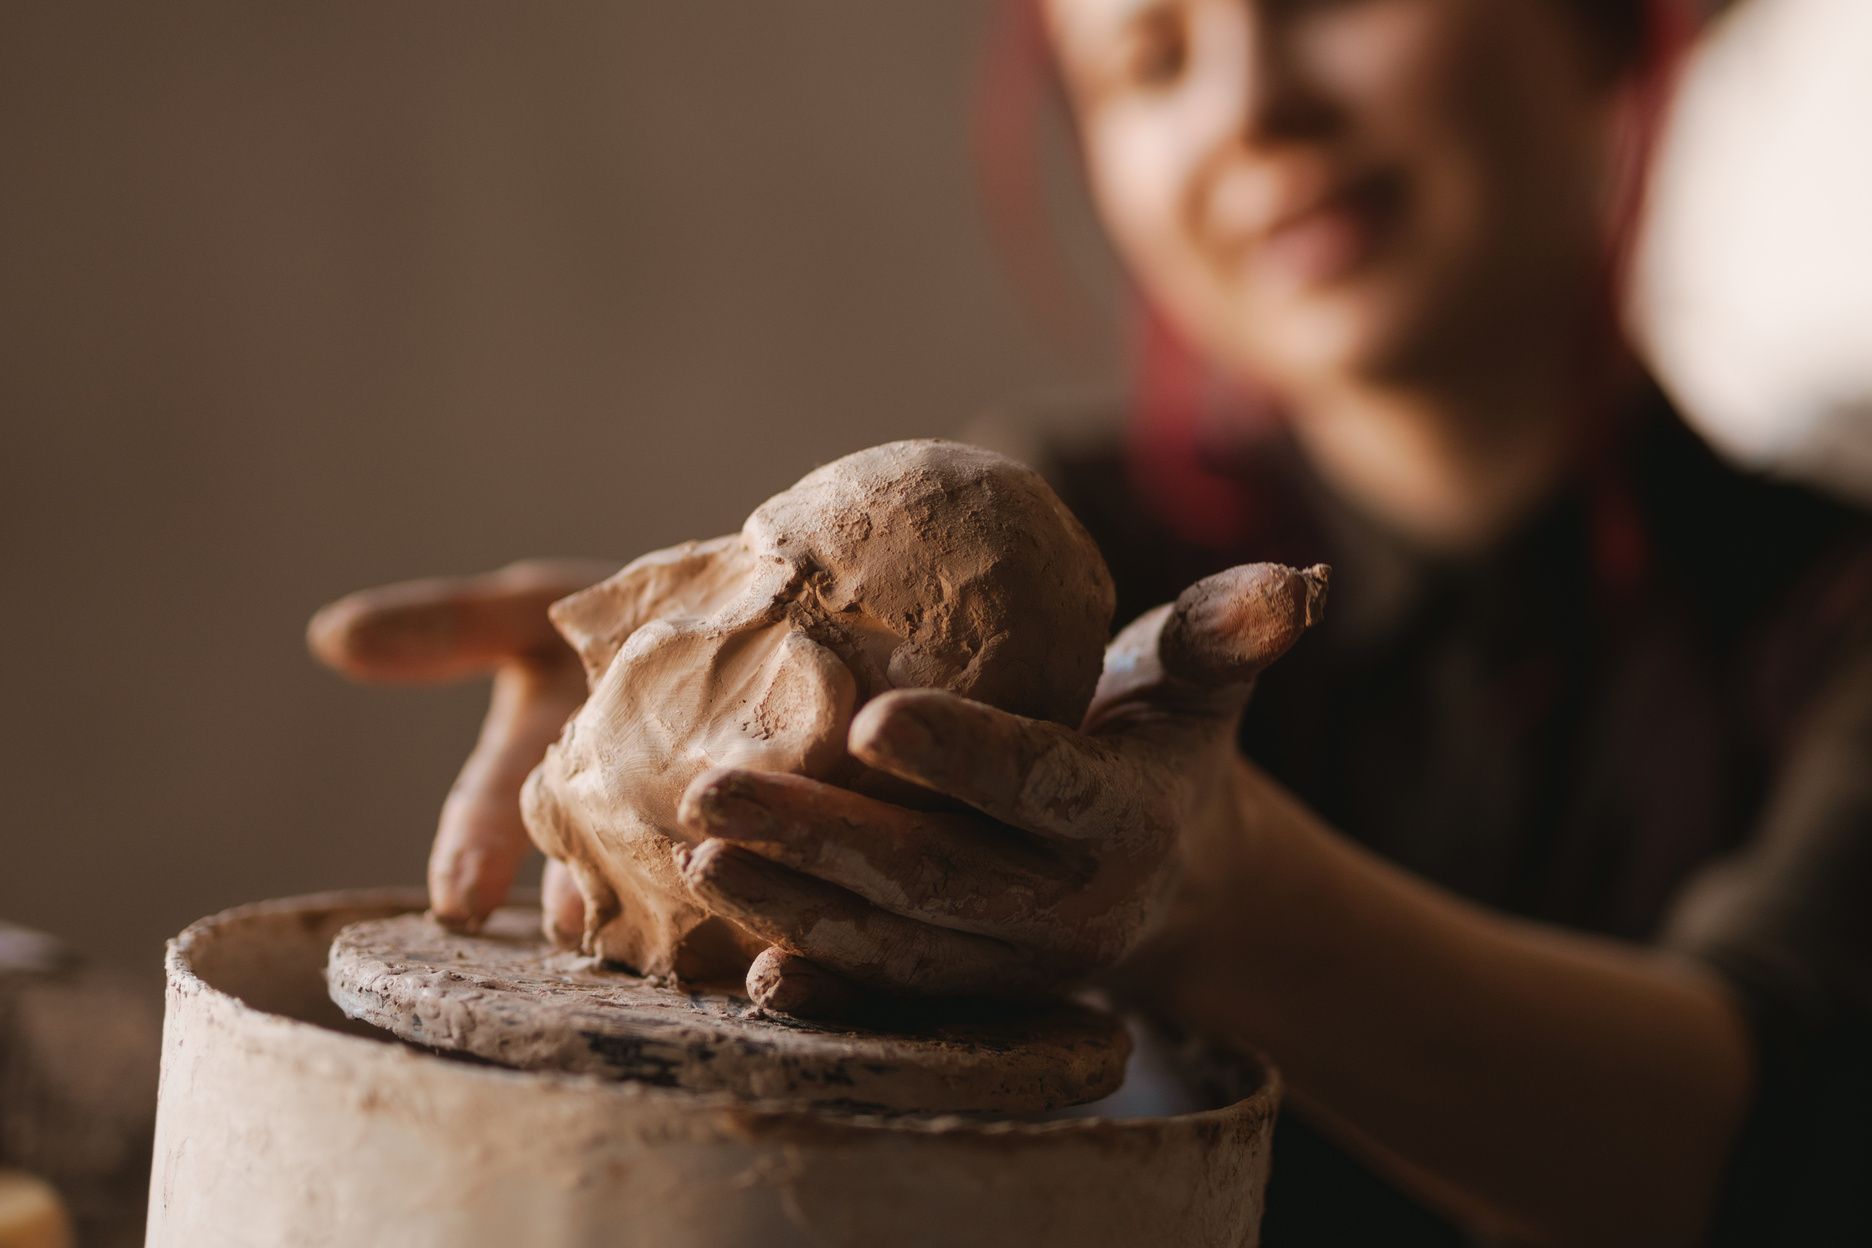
1266,115
1281,101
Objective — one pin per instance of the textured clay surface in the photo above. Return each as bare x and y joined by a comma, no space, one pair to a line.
923,564
508,996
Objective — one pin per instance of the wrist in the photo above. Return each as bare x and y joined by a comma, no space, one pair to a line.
1250,932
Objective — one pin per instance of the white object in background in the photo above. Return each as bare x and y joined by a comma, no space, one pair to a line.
1754,290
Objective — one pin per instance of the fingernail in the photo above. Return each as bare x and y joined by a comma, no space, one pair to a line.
713,873
690,861
462,924
789,984
728,807
454,902
711,859
1318,580
894,732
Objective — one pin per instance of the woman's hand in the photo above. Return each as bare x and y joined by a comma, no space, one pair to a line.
1061,850
1056,858
448,629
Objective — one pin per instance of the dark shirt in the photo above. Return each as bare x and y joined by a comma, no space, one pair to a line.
1647,714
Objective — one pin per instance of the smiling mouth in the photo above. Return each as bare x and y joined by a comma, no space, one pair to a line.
1331,236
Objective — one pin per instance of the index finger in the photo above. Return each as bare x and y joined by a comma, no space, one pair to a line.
1036,775
445,628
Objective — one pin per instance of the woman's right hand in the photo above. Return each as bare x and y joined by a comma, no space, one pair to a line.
446,629
1060,850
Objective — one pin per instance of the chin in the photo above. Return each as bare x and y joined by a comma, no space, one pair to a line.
1326,340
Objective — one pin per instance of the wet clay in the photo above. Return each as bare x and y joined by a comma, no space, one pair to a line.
506,995
925,564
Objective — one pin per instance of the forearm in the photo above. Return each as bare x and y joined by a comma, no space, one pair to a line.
1581,1088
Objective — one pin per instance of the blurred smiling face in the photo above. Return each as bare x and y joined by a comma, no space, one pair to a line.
1323,191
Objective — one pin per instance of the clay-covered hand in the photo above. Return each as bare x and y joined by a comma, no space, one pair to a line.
923,564
439,630
1059,851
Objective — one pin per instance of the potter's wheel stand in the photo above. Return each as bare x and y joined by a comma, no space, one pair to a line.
508,997
284,1123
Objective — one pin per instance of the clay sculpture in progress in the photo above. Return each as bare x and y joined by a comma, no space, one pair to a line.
926,564
916,570
917,588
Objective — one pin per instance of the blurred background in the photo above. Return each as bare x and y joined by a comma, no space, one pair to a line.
301,299
296,300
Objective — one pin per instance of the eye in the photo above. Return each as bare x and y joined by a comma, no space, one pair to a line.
1157,49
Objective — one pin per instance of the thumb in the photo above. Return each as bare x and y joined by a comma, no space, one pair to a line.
1226,628
1200,654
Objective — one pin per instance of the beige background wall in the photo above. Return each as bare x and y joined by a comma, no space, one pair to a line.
300,298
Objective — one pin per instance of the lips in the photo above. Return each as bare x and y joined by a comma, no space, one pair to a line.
1302,224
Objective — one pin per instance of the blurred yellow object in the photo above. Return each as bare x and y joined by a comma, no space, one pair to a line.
31,1213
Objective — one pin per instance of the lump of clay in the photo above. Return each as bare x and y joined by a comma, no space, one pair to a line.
925,564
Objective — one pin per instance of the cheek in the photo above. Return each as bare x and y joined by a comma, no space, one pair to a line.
1478,101
1149,152
1146,166
1142,163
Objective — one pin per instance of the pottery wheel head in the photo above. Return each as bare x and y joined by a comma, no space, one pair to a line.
507,996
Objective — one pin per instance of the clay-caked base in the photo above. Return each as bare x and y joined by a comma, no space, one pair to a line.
283,1124
509,997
